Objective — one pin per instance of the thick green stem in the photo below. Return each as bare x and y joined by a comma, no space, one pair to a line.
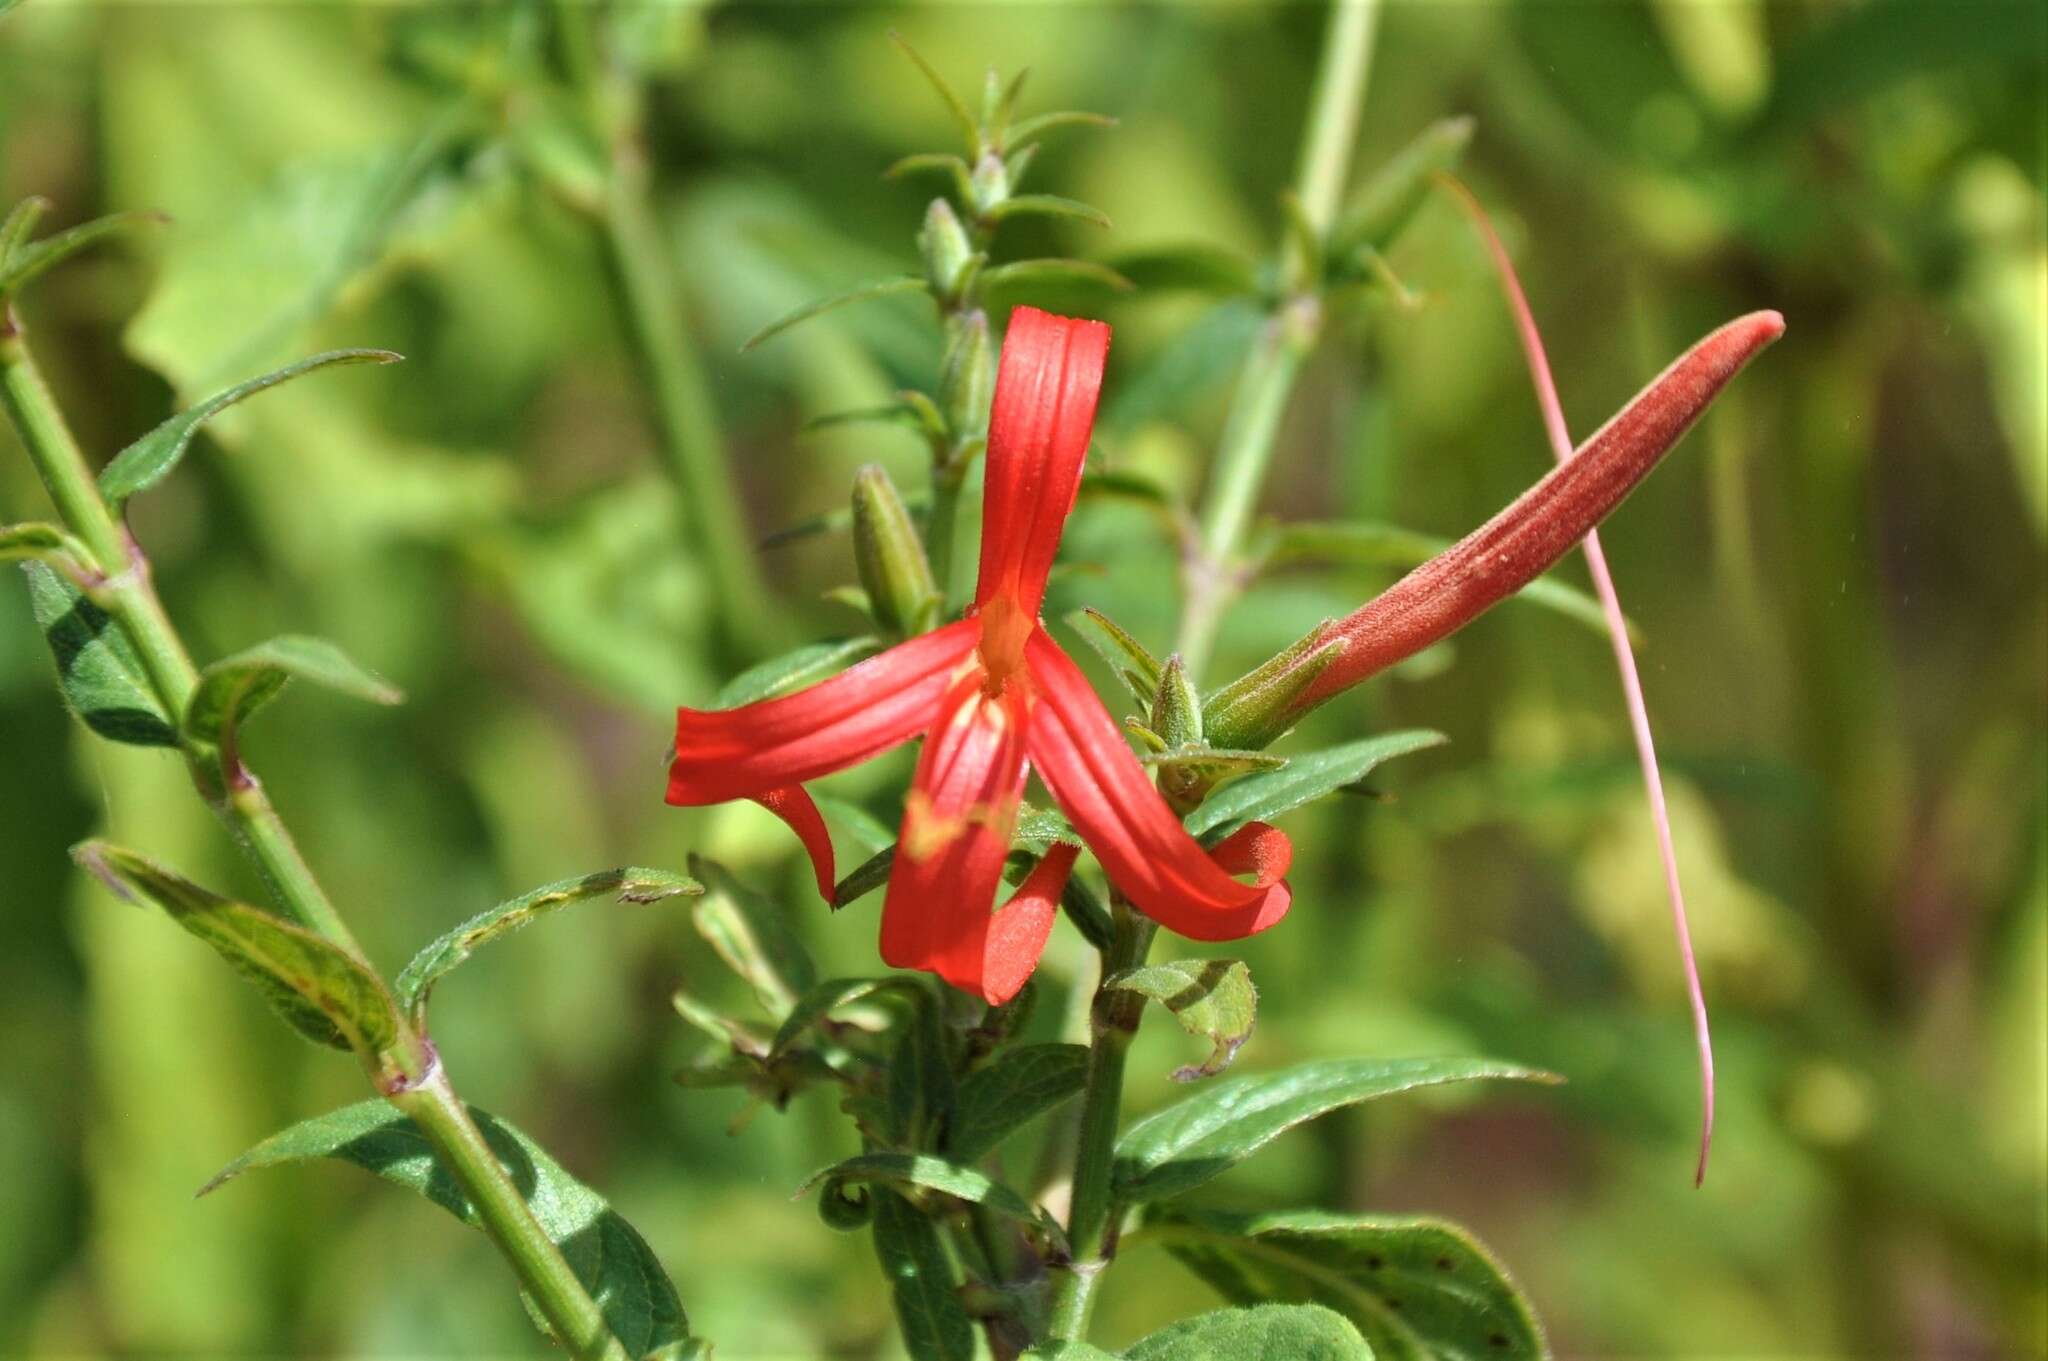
128,595
941,529
1291,333
692,449
504,1215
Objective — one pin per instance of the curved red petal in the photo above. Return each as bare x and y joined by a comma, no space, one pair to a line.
1257,849
956,833
759,748
1038,431
1080,754
1017,933
795,807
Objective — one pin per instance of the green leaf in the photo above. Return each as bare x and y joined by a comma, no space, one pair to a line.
908,283
807,665
920,1077
1193,267
935,1324
1024,273
1387,201
1137,668
1017,1085
1200,360
102,679
607,1254
1069,1351
327,994
23,217
1031,127
1270,1332
943,161
753,937
24,263
825,998
1418,1289
968,128
1213,999
49,545
905,1172
1378,545
416,981
150,459
1206,1134
1045,205
234,687
1264,796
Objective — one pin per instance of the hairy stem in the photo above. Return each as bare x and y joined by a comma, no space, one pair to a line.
1290,334
130,597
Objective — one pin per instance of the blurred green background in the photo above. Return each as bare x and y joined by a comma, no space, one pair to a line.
1839,578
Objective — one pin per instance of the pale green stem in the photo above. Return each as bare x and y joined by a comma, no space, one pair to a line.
1246,449
941,530
128,595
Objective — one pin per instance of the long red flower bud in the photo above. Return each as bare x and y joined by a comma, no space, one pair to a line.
1544,523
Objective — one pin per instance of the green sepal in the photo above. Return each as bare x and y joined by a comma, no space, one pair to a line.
908,283
1263,796
150,459
1387,201
416,980
1176,708
322,991
1138,669
98,671
1213,999
607,1254
1257,709
889,554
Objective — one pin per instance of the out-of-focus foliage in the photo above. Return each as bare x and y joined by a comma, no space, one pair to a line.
1839,584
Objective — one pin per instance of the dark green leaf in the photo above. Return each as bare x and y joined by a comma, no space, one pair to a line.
935,1324
607,1254
825,998
327,994
1418,1289
416,981
24,263
102,679
234,687
1264,796
1195,267
1045,205
920,1078
1213,999
865,877
1270,1332
1207,1133
753,937
1017,1085
906,1172
150,459
807,665
1137,668
908,283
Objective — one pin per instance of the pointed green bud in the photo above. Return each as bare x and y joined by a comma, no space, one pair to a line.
1176,708
946,250
1257,709
990,182
890,557
968,378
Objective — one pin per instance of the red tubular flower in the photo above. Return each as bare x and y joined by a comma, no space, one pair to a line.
994,696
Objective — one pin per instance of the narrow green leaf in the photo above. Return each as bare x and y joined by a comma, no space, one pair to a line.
328,995
101,677
235,687
908,283
1203,1135
905,1172
920,1076
150,459
1378,545
1418,1289
894,413
24,263
865,877
969,130
49,545
753,937
1213,999
22,218
1002,1096
806,665
825,998
943,161
1264,796
607,1254
1194,267
1387,201
1045,205
1270,1332
416,981
1137,668
1023,273
1201,360
1037,124
935,1324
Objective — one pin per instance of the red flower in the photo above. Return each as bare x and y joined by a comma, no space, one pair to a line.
994,696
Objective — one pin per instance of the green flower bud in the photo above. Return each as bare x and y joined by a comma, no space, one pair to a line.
890,557
1177,709
946,249
990,182
968,378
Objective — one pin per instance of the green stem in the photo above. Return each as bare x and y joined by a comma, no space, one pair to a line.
692,450
130,597
1091,1218
506,1217
1246,449
943,526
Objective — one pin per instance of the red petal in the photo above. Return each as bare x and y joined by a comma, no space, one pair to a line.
1017,934
1038,431
1256,849
794,807
1080,754
759,748
956,833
